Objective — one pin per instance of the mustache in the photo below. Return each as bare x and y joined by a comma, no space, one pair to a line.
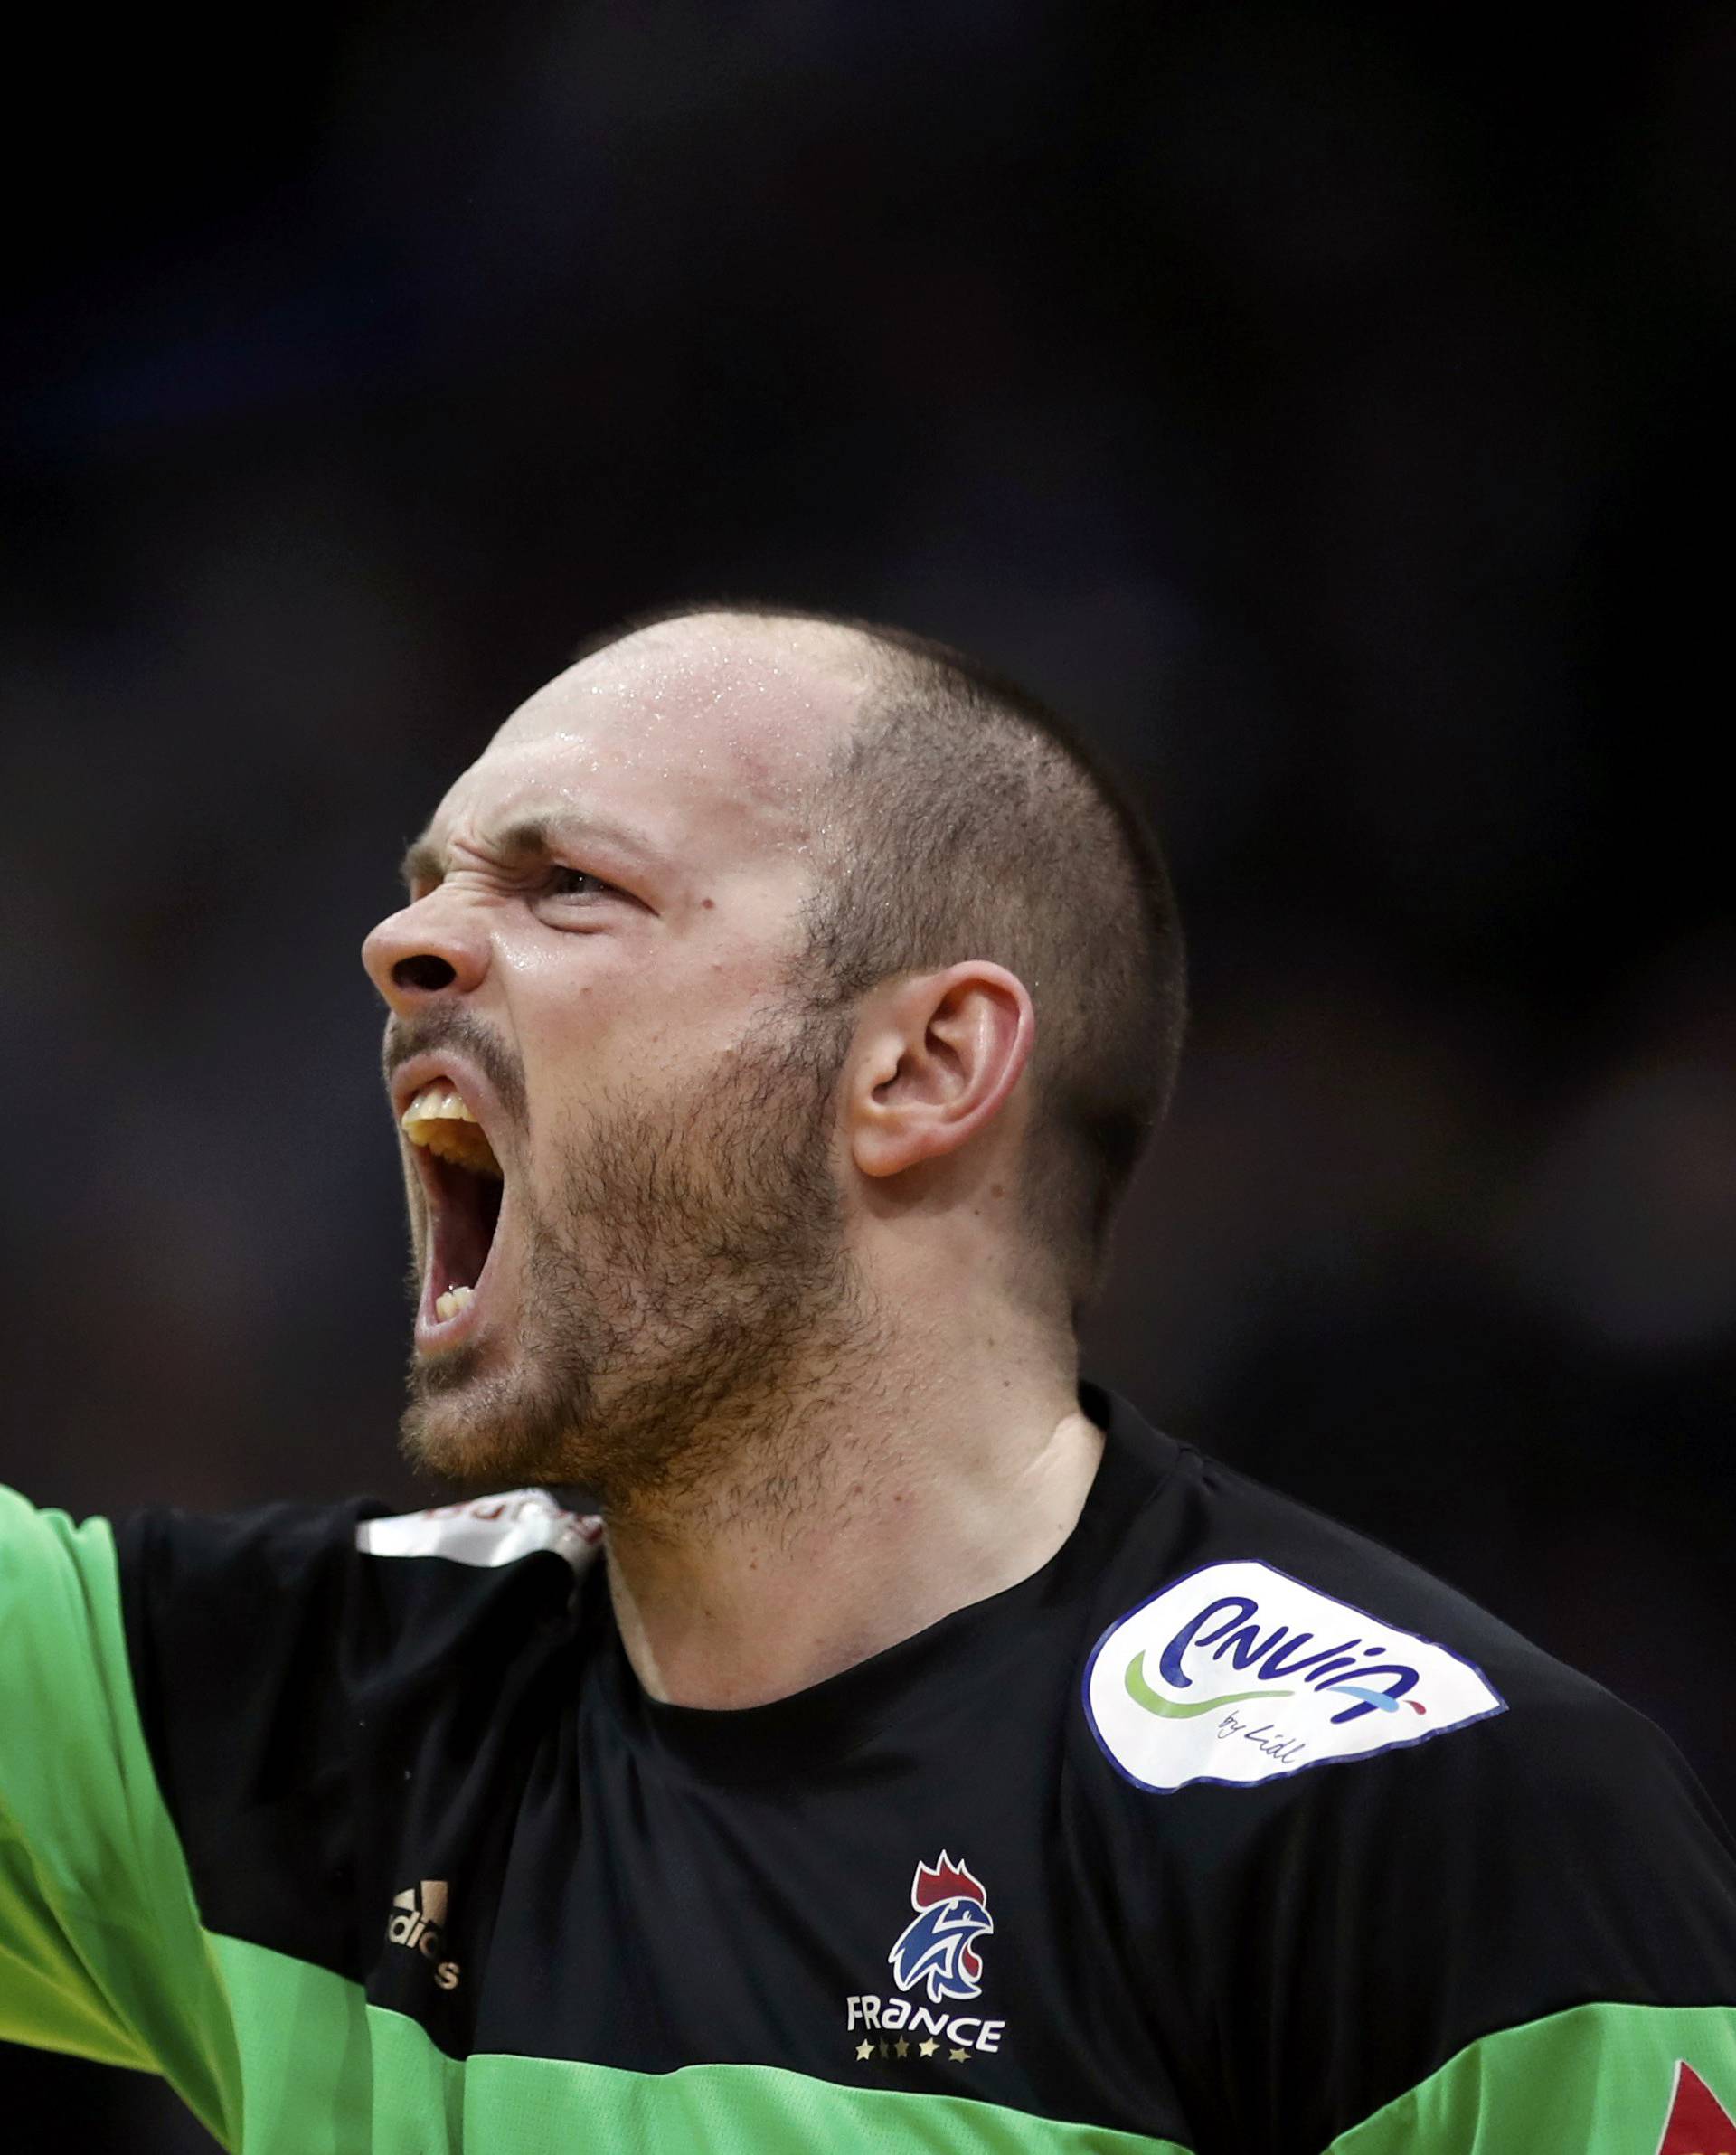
434,1032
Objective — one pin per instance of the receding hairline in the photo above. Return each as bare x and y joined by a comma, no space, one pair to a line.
855,650
889,662
831,674
876,655
899,663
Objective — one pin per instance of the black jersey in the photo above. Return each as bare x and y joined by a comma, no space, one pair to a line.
1226,1831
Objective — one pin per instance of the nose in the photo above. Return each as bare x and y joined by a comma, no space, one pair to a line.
425,950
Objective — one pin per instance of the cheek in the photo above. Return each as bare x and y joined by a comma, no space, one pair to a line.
568,1036
614,1016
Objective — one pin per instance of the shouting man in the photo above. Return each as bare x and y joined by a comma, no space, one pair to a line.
849,1730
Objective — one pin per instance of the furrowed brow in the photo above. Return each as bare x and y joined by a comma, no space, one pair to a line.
422,864
545,833
533,837
529,838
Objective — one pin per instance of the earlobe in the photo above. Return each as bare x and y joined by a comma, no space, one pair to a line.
937,1063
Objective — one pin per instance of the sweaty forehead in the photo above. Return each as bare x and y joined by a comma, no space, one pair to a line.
709,724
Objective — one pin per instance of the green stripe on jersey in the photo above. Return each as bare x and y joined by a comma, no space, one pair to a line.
1596,2081
101,1952
327,2074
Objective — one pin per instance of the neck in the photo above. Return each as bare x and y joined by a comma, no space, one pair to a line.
935,1482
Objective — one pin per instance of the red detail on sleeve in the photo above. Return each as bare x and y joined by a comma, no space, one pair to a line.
1698,2123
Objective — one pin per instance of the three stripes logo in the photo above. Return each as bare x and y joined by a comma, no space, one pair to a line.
418,1921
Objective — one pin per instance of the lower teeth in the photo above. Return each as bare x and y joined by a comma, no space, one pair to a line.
448,1305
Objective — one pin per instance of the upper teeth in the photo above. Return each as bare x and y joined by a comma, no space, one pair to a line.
437,1119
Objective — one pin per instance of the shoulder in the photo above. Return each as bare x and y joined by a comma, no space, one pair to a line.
276,1552
1244,1643
1385,1824
293,1664
286,1613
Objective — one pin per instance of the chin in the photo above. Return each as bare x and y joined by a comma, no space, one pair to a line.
454,1426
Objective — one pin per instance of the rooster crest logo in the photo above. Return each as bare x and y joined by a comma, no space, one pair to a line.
938,1949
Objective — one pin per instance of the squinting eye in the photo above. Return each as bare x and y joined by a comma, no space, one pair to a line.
575,883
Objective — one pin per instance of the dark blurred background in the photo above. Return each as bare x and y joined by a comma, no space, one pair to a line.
1327,408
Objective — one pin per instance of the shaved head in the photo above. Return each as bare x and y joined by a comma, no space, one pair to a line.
947,814
765,697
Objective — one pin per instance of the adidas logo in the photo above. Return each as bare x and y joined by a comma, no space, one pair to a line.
418,1922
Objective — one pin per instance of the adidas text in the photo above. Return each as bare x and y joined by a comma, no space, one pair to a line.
415,1922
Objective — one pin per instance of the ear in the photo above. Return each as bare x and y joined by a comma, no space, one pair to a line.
935,1062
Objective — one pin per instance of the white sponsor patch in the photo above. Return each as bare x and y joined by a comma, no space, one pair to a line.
487,1531
1238,1674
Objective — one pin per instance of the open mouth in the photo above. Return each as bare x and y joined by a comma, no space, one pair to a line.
464,1186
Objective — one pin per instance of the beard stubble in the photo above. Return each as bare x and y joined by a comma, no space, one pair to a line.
687,1297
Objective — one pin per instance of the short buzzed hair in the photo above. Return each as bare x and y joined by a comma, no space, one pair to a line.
965,818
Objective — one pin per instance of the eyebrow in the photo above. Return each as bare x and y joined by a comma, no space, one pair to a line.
533,837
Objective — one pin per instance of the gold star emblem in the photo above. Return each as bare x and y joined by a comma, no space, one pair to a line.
929,2048
902,2047
957,2057
864,2050
885,2050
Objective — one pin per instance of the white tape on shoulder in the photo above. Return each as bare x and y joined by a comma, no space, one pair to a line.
487,1531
